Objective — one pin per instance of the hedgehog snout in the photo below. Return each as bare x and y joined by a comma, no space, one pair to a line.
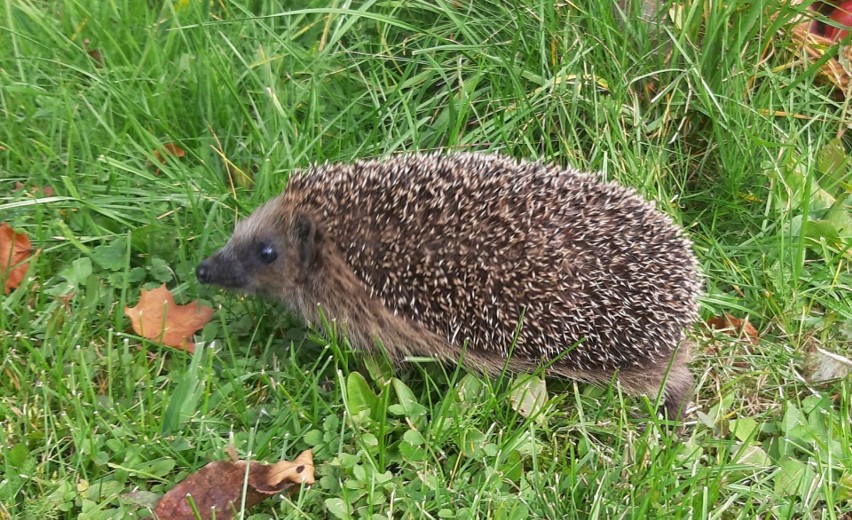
204,272
221,270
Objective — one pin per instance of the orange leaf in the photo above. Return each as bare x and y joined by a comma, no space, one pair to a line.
218,487
734,327
158,318
300,470
169,149
15,250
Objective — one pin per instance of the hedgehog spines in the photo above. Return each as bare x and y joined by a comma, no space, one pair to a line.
431,252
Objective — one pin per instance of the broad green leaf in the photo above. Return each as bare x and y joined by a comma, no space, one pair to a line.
359,395
834,164
413,437
529,397
17,455
112,256
744,429
160,270
844,487
792,418
794,478
379,368
313,438
338,508
410,407
162,467
184,400
78,272
359,473
142,498
840,216
472,442
817,230
512,466
754,456
469,389
412,446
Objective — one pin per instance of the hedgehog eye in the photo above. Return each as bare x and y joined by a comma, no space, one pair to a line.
267,253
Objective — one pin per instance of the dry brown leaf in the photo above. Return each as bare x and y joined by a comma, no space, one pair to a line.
95,54
169,149
159,318
47,191
218,486
736,327
813,46
293,472
822,365
15,250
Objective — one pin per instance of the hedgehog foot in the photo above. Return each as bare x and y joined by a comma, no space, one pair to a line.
677,378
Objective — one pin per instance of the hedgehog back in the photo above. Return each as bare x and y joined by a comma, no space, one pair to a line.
468,244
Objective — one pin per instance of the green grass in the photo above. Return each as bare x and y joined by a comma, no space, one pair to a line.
725,135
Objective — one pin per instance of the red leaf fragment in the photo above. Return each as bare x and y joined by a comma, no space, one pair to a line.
218,487
169,149
813,40
736,327
842,16
159,318
15,250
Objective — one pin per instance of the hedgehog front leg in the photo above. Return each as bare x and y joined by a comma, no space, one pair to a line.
680,384
674,374
678,391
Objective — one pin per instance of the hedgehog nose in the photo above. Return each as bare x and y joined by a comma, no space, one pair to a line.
204,272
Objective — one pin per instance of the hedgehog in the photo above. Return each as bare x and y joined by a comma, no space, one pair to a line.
479,258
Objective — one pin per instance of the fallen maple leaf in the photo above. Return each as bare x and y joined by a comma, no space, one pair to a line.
736,327
157,317
169,149
218,487
15,249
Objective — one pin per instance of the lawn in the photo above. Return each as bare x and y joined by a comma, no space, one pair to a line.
714,115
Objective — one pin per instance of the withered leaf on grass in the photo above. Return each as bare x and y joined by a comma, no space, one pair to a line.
814,47
736,327
46,191
15,250
822,365
169,149
159,318
94,53
218,486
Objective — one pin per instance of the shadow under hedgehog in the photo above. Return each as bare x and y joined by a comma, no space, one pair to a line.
437,254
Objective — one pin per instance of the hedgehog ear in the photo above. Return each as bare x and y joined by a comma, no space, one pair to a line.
308,239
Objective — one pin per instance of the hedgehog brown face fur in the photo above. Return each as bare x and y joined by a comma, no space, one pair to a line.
445,255
272,254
